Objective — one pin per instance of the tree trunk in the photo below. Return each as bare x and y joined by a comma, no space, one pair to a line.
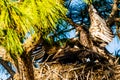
25,70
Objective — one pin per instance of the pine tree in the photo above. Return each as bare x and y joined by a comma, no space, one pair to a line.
17,18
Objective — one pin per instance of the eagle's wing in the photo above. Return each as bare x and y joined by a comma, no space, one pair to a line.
98,28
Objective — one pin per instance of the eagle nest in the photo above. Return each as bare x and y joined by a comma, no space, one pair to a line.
78,65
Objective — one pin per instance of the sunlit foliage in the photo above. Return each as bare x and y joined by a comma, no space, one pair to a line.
18,18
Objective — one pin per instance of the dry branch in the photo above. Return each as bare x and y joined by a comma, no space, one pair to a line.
112,15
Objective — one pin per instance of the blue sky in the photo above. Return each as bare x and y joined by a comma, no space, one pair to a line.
114,46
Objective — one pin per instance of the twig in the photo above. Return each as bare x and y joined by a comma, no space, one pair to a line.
116,61
50,70
76,76
58,75
77,68
58,52
117,19
47,58
88,75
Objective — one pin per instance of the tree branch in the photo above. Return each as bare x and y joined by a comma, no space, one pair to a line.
7,67
117,19
112,15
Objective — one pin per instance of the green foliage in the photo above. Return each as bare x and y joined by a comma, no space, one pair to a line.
12,41
14,22
45,14
88,1
17,18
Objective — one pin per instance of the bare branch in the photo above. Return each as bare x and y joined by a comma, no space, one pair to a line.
7,67
112,15
114,8
119,9
117,19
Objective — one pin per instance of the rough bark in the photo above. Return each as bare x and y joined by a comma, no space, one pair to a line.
27,67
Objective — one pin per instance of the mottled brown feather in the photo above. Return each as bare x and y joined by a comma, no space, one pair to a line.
98,28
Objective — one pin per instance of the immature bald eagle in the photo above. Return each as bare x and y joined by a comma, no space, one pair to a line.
98,28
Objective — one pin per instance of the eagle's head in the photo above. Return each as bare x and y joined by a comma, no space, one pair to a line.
92,9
